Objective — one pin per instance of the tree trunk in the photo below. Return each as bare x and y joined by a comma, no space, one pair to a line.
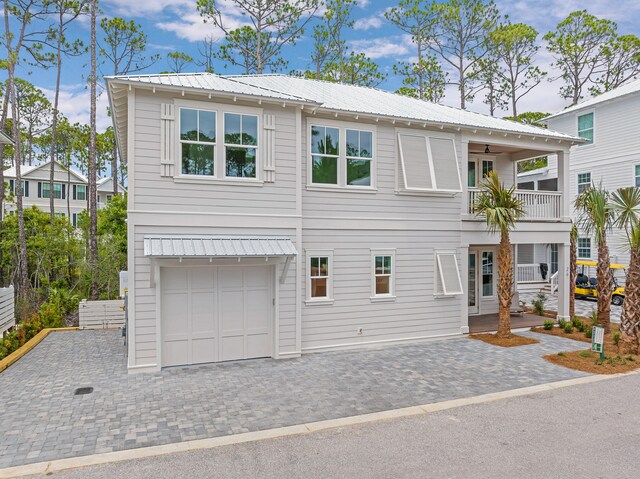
93,211
3,127
573,274
54,122
505,285
630,317
604,285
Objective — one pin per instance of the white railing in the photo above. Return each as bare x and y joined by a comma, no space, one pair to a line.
538,205
7,309
554,282
529,273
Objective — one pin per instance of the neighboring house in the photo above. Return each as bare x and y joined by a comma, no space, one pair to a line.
610,155
270,216
70,190
105,191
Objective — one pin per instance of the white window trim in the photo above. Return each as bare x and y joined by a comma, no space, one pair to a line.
342,185
85,192
578,247
439,276
391,296
591,112
402,188
219,166
635,175
494,275
326,253
578,183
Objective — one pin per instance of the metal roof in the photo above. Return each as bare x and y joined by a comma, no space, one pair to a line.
5,139
626,89
366,100
184,246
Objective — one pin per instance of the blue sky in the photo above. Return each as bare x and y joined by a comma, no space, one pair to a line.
175,25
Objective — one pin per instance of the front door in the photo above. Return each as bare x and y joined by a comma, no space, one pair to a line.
473,282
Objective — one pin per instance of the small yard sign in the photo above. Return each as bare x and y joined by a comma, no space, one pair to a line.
597,340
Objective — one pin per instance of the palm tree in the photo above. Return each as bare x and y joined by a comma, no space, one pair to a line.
501,209
596,219
573,273
626,204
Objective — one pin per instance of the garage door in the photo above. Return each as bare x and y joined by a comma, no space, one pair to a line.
216,314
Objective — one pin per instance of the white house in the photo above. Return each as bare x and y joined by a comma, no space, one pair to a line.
271,216
70,189
609,156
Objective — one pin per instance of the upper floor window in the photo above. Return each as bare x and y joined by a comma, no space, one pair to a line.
585,127
197,141
584,248
428,163
637,183
325,151
584,182
240,144
58,190
359,156
25,187
80,192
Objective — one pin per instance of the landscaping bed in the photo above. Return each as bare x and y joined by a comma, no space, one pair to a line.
511,341
584,359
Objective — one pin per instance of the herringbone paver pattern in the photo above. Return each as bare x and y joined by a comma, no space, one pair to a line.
42,419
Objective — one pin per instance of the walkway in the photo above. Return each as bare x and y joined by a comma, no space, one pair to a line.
584,307
42,419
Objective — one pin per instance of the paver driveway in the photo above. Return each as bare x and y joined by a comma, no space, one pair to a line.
43,420
584,307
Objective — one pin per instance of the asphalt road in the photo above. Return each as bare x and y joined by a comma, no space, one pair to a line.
580,431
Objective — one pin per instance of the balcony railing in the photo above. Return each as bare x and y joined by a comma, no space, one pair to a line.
538,205
530,273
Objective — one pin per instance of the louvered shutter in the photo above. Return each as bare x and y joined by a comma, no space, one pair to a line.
167,139
449,274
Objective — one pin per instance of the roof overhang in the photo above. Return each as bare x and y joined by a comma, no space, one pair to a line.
5,140
205,246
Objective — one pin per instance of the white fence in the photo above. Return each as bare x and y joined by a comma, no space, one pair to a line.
530,273
538,205
7,309
101,314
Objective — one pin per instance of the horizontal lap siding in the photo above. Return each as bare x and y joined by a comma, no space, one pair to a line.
156,193
145,296
415,312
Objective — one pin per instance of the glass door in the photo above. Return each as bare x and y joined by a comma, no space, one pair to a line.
554,258
473,283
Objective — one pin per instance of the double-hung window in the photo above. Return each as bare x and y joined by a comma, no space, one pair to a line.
81,193
637,176
584,248
197,141
487,167
487,273
584,182
585,127
383,265
359,157
57,190
240,144
319,275
428,163
325,153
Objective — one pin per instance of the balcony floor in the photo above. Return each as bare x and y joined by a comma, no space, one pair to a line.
489,322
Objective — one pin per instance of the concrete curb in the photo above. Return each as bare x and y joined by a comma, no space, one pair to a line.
59,465
28,346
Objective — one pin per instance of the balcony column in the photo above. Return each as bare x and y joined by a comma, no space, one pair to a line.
464,208
563,184
563,281
464,274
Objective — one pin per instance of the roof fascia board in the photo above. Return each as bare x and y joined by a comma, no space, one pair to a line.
584,106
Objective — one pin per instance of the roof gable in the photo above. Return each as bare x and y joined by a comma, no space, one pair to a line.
42,172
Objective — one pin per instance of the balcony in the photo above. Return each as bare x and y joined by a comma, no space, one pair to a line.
538,205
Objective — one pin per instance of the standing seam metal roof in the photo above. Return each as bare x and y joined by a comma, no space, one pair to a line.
220,246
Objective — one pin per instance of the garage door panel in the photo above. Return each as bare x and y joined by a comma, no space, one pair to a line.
174,279
174,314
204,350
258,277
231,277
256,313
233,348
258,345
175,353
202,313
232,310
202,278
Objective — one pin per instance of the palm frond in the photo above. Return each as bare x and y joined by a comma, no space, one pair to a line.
498,204
625,203
595,212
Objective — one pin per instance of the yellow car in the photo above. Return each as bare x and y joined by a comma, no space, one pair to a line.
586,282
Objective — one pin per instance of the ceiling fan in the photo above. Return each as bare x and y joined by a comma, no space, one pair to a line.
486,151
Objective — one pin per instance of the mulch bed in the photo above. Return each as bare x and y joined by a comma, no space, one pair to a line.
511,341
587,361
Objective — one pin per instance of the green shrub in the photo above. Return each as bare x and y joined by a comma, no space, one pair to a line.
548,325
50,315
578,324
588,333
568,328
593,318
616,337
562,323
538,303
585,354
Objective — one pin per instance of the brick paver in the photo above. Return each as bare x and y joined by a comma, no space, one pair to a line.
584,307
43,420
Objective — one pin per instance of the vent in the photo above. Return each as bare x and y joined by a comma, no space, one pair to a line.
81,391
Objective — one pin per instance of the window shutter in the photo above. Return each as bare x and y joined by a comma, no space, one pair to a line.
74,192
269,148
449,274
39,189
26,189
415,162
445,165
64,191
12,186
167,139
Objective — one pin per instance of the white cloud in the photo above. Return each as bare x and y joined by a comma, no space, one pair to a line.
74,103
393,46
144,8
366,23
191,27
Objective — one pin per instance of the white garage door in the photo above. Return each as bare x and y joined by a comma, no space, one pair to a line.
216,314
